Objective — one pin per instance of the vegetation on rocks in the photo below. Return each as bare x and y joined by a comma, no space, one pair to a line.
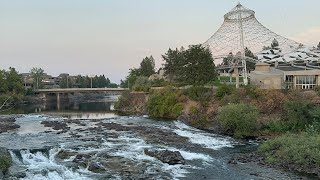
299,152
165,104
131,103
198,93
5,161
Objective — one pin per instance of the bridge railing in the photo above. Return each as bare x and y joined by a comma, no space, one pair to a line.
80,90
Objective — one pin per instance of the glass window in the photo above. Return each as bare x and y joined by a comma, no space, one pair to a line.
306,82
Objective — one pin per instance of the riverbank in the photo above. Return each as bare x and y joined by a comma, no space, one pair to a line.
247,113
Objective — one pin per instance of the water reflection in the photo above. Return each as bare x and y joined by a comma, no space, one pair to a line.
99,108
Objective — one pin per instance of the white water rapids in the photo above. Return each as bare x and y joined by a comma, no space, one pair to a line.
120,153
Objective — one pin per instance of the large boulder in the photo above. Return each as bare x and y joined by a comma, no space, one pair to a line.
82,159
166,156
95,167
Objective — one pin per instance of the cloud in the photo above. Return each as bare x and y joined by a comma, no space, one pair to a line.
309,37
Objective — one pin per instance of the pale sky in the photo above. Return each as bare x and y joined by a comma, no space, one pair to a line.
110,36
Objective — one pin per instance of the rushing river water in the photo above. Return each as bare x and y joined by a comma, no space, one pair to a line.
115,146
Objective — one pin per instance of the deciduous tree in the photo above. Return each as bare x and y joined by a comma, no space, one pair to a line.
37,74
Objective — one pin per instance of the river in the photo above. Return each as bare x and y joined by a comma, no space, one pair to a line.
114,146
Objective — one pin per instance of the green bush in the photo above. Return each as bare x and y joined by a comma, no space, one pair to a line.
313,129
295,149
159,83
165,104
278,126
224,90
142,84
5,163
123,101
301,113
239,120
252,91
198,93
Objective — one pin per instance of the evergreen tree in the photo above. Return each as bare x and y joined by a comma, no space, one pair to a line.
147,67
66,82
229,60
197,67
108,82
250,62
274,44
172,59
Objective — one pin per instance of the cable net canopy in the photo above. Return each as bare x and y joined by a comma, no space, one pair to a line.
242,21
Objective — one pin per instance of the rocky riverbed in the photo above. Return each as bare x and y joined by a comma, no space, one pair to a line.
7,123
48,147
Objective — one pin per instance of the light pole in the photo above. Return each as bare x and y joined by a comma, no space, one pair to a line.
67,82
91,79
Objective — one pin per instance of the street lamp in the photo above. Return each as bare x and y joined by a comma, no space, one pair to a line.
67,82
91,76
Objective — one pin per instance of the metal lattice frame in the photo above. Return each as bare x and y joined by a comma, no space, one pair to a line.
255,36
241,29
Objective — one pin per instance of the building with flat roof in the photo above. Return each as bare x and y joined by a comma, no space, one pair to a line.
285,76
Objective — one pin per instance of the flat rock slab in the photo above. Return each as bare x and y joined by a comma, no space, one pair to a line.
166,156
7,123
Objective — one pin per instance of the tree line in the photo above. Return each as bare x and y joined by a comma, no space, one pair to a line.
192,66
86,82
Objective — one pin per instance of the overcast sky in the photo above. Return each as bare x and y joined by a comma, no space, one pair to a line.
110,36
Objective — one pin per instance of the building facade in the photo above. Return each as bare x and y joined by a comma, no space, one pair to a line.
287,76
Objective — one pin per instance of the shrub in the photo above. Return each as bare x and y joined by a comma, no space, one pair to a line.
278,126
293,149
252,91
142,84
300,113
5,163
198,93
271,101
239,120
313,129
224,90
165,104
123,101
159,83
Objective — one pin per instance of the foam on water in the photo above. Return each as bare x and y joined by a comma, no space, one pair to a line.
131,147
202,138
43,167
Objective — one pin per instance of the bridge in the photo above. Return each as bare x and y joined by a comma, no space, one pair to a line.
80,90
43,93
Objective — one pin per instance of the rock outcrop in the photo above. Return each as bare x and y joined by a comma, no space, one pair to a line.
166,156
7,123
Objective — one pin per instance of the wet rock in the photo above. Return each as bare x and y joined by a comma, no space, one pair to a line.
95,167
149,134
75,121
232,161
19,174
82,159
166,156
7,123
64,154
56,125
